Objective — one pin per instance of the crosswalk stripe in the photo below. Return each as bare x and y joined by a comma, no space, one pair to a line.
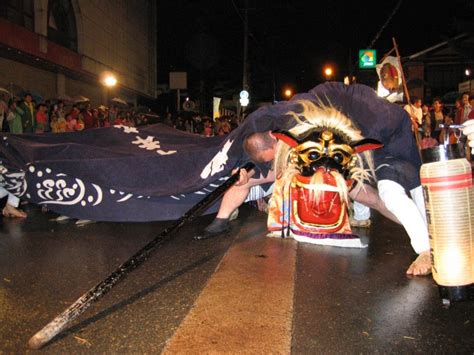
247,305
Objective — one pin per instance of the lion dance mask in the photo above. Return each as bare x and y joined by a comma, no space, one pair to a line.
316,164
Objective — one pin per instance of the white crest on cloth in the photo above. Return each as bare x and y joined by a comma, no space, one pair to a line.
126,129
217,163
149,143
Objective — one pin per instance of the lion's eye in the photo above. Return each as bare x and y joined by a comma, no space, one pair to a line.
338,158
313,155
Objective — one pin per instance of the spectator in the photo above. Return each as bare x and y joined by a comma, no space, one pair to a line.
113,112
3,113
471,102
88,118
179,124
223,127
426,121
437,117
463,113
60,110
73,121
189,124
414,110
428,141
168,120
58,122
14,117
208,129
41,118
28,117
448,135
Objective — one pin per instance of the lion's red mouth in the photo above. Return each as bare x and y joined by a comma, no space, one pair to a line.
319,205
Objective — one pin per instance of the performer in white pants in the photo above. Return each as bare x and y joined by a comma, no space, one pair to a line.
410,212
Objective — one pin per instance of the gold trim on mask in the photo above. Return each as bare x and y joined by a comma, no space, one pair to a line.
310,151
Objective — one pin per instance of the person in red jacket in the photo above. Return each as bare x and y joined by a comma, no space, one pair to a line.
41,118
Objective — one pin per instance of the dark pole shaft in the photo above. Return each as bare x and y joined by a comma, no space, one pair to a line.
77,308
246,36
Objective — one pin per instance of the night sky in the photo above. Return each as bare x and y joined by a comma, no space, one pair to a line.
291,41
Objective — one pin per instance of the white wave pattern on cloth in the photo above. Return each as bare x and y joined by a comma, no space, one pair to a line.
15,183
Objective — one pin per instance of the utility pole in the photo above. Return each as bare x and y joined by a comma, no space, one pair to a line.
246,35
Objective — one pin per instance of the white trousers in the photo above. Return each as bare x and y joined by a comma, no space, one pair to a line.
361,212
409,211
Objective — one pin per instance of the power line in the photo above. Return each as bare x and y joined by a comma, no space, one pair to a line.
385,24
394,11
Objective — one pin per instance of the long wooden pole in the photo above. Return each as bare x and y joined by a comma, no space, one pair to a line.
59,323
407,94
386,55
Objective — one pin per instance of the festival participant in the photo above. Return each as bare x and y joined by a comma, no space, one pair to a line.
397,165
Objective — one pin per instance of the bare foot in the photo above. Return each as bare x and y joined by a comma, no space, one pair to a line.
421,266
12,212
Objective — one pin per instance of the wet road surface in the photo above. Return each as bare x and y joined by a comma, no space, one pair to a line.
344,300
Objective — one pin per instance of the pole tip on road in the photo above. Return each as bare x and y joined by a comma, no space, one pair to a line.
35,342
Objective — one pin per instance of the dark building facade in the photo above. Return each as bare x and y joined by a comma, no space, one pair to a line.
440,70
63,47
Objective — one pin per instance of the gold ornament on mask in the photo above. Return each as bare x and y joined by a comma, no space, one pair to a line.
326,147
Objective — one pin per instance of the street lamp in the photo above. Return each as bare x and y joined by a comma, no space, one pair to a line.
328,72
288,93
109,80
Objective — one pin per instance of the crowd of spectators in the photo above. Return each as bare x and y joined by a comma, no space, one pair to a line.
432,122
26,116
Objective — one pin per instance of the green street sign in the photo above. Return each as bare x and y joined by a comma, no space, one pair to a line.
367,58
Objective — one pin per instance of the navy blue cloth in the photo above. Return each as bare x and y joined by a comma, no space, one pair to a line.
158,173
122,173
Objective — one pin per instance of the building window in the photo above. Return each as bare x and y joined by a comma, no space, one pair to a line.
62,23
19,12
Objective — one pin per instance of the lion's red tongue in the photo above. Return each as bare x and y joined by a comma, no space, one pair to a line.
323,208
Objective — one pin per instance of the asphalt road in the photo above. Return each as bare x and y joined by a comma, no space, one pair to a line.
344,300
